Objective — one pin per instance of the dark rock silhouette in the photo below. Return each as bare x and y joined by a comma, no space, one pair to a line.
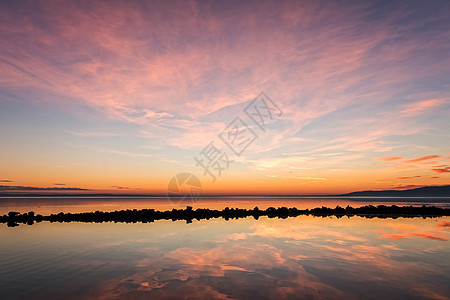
149,215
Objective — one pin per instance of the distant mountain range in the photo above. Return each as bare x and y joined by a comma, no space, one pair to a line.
428,191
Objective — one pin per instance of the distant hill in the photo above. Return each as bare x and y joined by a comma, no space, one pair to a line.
429,191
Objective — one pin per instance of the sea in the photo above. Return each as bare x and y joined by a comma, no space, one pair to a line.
302,257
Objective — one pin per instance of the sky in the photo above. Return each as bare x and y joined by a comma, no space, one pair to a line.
121,96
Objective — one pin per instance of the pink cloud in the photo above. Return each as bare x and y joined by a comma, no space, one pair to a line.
422,106
121,64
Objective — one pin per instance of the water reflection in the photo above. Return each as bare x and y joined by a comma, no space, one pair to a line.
304,257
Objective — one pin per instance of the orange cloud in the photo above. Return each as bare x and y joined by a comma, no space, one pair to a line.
426,236
422,235
389,158
443,224
394,236
443,170
419,159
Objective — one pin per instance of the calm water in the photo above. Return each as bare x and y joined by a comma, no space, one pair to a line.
305,257
86,204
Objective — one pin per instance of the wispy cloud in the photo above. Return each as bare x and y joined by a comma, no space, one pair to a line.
413,109
442,170
389,158
431,237
443,224
420,159
121,187
394,236
422,235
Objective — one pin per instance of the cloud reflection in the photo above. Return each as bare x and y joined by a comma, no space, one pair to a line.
302,258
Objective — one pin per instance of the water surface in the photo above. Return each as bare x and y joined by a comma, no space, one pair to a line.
296,258
51,205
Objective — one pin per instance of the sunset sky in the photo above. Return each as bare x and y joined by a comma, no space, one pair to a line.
120,96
